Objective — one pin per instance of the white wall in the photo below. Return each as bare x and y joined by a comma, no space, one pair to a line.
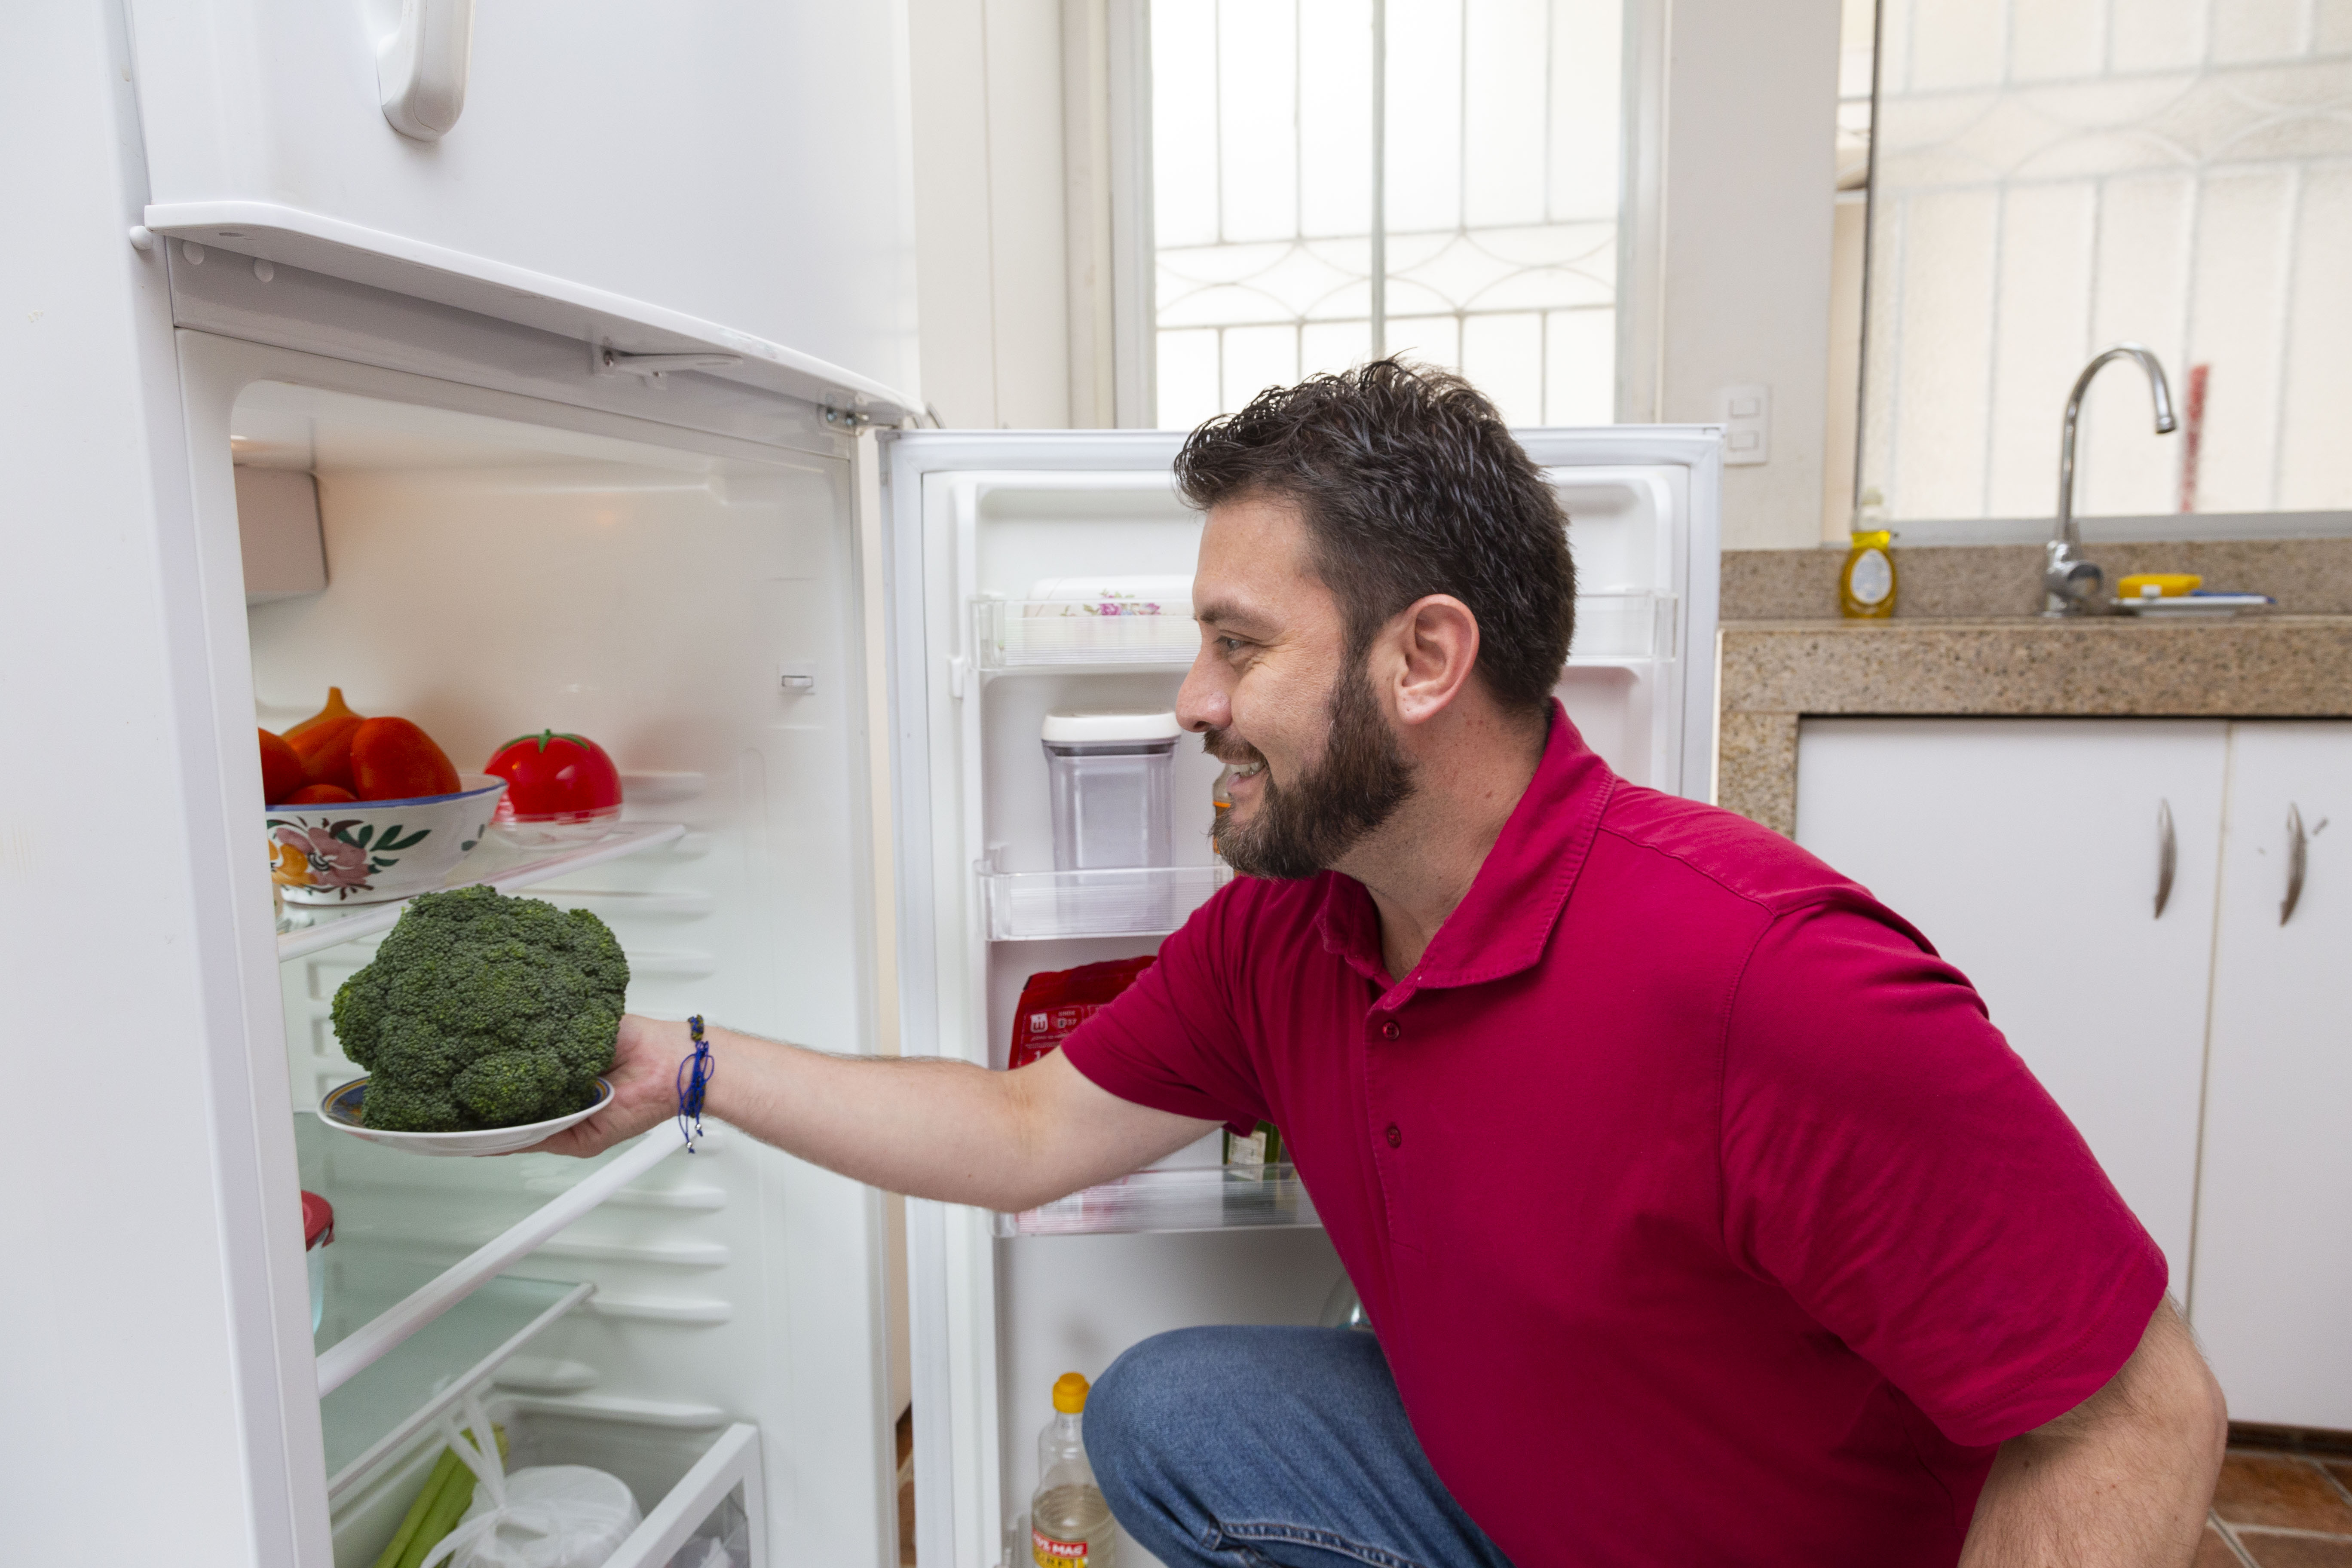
1744,277
995,249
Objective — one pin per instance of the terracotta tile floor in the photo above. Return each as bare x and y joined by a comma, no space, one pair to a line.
2277,1509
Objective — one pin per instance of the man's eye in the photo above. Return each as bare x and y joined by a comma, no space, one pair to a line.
1231,645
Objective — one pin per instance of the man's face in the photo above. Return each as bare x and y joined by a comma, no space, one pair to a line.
1271,692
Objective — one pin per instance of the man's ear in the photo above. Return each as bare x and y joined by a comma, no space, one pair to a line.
1435,641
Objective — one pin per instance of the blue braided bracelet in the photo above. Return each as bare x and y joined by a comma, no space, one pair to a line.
693,1082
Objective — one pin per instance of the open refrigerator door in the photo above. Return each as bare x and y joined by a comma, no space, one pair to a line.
1035,573
707,1326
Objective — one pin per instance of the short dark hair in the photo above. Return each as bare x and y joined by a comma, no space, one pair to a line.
1410,485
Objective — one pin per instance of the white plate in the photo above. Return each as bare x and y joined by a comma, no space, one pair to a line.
340,1106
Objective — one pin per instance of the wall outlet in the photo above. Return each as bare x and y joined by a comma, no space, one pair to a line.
1747,415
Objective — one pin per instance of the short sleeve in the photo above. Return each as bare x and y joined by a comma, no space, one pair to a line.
1895,1166
1172,1040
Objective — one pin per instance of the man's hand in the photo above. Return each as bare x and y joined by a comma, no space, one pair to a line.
2123,1478
928,1128
644,1076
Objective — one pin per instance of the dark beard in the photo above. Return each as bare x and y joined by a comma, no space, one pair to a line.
1305,827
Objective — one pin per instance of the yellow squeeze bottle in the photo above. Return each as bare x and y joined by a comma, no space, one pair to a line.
1866,586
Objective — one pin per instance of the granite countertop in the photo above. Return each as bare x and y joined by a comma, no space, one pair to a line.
1782,657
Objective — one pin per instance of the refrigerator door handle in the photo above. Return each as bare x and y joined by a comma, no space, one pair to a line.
420,66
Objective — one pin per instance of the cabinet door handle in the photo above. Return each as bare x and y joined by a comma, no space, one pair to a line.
2168,856
2294,862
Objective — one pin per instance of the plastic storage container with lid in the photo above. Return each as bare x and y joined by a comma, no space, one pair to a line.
1112,777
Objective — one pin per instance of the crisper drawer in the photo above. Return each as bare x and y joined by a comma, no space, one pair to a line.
699,1488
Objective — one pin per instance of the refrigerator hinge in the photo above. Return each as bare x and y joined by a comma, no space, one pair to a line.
849,420
605,359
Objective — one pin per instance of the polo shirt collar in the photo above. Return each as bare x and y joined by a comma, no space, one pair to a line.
1504,922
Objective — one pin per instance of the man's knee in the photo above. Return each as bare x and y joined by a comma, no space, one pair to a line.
1147,1401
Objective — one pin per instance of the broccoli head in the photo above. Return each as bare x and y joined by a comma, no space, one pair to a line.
483,1011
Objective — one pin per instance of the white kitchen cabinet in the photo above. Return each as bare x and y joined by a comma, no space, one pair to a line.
2274,1273
2207,1054
662,177
2031,853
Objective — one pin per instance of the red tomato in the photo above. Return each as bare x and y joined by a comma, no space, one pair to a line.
392,759
555,778
281,769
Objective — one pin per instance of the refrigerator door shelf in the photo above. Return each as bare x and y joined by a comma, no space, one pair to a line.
1057,636
398,1396
1623,626
1220,1198
1067,636
1039,906
497,864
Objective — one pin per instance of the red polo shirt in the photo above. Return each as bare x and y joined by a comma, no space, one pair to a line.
1703,1215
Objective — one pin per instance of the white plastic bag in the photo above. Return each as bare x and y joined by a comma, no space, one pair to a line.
722,1541
551,1516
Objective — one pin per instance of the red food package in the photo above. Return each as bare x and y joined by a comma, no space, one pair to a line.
1055,1002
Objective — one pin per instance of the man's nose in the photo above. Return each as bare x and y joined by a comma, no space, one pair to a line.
1202,702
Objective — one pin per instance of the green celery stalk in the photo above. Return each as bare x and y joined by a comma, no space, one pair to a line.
456,1496
443,1468
447,1510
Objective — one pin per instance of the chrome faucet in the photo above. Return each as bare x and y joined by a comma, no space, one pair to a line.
2071,587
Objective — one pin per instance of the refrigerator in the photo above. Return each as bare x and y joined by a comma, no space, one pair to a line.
601,400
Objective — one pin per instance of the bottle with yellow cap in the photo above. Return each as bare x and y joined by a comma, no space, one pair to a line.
1866,586
1069,1523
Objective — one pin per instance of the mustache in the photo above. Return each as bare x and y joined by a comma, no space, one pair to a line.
1229,749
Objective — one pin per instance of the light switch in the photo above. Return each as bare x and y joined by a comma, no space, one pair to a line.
1747,415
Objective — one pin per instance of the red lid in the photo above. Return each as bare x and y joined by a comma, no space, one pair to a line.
317,1221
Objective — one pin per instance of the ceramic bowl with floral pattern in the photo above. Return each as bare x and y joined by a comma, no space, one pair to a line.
366,851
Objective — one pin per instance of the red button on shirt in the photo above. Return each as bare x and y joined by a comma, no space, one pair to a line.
1733,1231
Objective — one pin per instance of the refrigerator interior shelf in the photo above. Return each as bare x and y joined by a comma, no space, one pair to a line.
1037,906
1217,1198
1066,636
397,1396
496,864
412,1313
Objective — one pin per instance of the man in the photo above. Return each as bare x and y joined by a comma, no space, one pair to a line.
1701,1214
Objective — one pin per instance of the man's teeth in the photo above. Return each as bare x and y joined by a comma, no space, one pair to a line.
1248,770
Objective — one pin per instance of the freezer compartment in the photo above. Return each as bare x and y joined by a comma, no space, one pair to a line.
1043,906
698,1488
1220,1198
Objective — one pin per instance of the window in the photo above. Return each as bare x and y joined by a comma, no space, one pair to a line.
2055,175
1466,215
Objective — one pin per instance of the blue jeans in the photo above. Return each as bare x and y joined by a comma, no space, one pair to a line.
1238,1447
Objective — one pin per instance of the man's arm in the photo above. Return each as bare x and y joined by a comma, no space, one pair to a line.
921,1126
2122,1480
